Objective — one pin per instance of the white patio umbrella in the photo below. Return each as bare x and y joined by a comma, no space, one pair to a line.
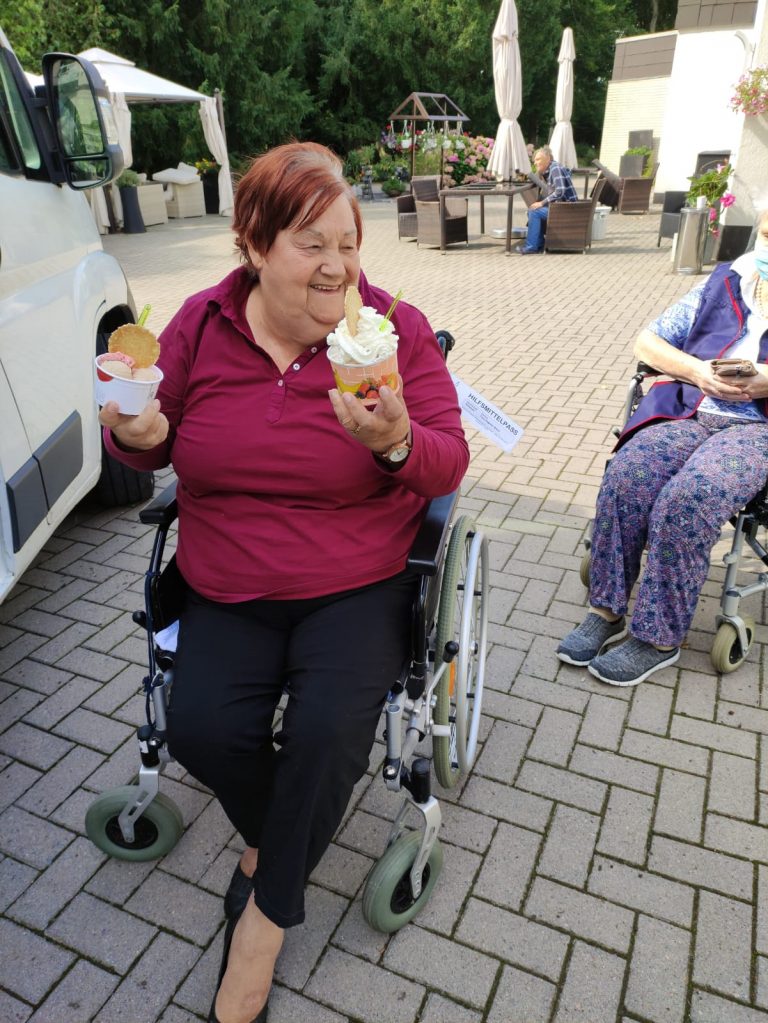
561,143
509,152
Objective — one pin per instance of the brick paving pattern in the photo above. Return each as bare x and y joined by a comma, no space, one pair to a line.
607,860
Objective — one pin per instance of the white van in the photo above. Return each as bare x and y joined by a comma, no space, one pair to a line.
61,296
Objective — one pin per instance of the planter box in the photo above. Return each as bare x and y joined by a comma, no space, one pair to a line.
211,193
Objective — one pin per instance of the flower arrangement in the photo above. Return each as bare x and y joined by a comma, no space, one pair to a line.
712,186
206,167
750,93
468,161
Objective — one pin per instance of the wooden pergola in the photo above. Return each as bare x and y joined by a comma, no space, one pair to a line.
428,107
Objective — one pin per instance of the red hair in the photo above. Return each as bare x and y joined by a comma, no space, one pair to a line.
289,186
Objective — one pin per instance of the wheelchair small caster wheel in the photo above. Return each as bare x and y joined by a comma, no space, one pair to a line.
388,902
727,654
462,616
586,561
156,832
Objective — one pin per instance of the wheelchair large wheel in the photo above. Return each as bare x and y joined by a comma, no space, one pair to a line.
726,654
156,832
388,902
586,561
462,615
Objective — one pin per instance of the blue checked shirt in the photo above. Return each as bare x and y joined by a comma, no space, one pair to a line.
560,184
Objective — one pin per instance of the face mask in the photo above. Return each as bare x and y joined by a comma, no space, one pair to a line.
761,260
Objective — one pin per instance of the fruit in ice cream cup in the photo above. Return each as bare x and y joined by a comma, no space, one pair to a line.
131,394
364,381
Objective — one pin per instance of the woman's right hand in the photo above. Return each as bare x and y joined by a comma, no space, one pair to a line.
135,433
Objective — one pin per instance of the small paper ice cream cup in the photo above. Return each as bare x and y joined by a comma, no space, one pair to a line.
364,381
132,396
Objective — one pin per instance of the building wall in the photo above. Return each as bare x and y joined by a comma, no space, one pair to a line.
631,105
698,117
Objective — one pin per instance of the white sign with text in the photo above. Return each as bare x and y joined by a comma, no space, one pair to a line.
487,417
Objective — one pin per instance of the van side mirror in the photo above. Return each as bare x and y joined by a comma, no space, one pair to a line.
83,122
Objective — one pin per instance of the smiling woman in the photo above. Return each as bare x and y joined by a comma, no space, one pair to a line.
297,509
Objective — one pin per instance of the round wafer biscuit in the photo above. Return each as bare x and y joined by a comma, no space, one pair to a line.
138,342
353,303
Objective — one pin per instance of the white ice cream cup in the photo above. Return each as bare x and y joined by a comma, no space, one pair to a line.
132,396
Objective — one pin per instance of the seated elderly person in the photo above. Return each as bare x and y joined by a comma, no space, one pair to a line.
559,189
298,506
692,455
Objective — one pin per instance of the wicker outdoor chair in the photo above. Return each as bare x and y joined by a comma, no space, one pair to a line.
406,217
569,224
635,195
426,193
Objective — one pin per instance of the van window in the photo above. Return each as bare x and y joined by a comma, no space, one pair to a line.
12,106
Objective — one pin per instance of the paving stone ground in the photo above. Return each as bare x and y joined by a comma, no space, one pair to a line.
607,859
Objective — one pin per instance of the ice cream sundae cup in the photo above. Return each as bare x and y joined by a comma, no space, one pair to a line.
127,373
132,395
363,351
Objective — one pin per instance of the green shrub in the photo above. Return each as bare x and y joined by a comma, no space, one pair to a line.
393,187
128,179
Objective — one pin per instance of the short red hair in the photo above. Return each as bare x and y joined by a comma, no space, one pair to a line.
289,186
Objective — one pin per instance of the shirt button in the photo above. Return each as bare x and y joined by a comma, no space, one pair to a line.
280,383
313,349
296,365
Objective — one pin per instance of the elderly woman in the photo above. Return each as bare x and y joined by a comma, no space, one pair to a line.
694,452
297,509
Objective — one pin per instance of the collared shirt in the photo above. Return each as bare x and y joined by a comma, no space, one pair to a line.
276,500
559,183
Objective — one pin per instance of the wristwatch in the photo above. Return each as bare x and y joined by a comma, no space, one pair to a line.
398,452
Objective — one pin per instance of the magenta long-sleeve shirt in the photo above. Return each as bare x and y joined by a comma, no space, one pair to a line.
275,499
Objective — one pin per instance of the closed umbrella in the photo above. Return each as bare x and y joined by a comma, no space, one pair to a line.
561,143
509,152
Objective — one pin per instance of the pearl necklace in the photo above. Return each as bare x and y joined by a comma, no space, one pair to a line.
761,297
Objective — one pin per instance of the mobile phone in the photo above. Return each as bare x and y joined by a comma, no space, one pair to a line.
733,368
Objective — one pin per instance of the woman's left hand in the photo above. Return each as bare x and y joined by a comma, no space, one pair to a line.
755,386
387,424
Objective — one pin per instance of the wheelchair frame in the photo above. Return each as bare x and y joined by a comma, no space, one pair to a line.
439,695
735,632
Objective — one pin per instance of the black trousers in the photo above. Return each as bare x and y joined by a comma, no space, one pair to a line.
337,657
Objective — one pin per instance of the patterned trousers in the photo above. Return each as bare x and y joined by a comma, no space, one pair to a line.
671,488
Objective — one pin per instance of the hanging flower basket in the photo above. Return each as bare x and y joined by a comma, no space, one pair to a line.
750,93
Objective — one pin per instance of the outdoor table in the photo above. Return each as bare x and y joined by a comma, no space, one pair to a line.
587,172
507,189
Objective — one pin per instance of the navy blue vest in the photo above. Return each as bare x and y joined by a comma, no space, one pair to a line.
719,323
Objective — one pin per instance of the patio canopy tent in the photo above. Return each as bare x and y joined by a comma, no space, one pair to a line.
128,84
428,107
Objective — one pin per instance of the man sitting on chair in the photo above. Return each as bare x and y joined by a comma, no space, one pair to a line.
559,189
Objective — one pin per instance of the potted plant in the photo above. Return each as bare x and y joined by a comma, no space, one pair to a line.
393,186
712,187
133,222
635,161
209,175
750,93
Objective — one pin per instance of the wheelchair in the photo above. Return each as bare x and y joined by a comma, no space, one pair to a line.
735,632
437,697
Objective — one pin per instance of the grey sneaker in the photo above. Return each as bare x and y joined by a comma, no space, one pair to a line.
586,641
632,662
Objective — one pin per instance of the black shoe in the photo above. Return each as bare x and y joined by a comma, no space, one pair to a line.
237,895
228,932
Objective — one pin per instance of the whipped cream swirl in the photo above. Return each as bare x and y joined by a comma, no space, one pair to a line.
370,344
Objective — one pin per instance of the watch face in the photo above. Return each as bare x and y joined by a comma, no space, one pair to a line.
398,455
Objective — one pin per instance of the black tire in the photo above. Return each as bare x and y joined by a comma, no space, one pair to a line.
118,485
157,830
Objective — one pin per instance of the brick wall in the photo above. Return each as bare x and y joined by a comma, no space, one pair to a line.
624,104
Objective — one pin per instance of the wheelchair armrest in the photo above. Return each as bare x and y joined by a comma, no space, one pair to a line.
648,371
162,510
446,340
427,551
